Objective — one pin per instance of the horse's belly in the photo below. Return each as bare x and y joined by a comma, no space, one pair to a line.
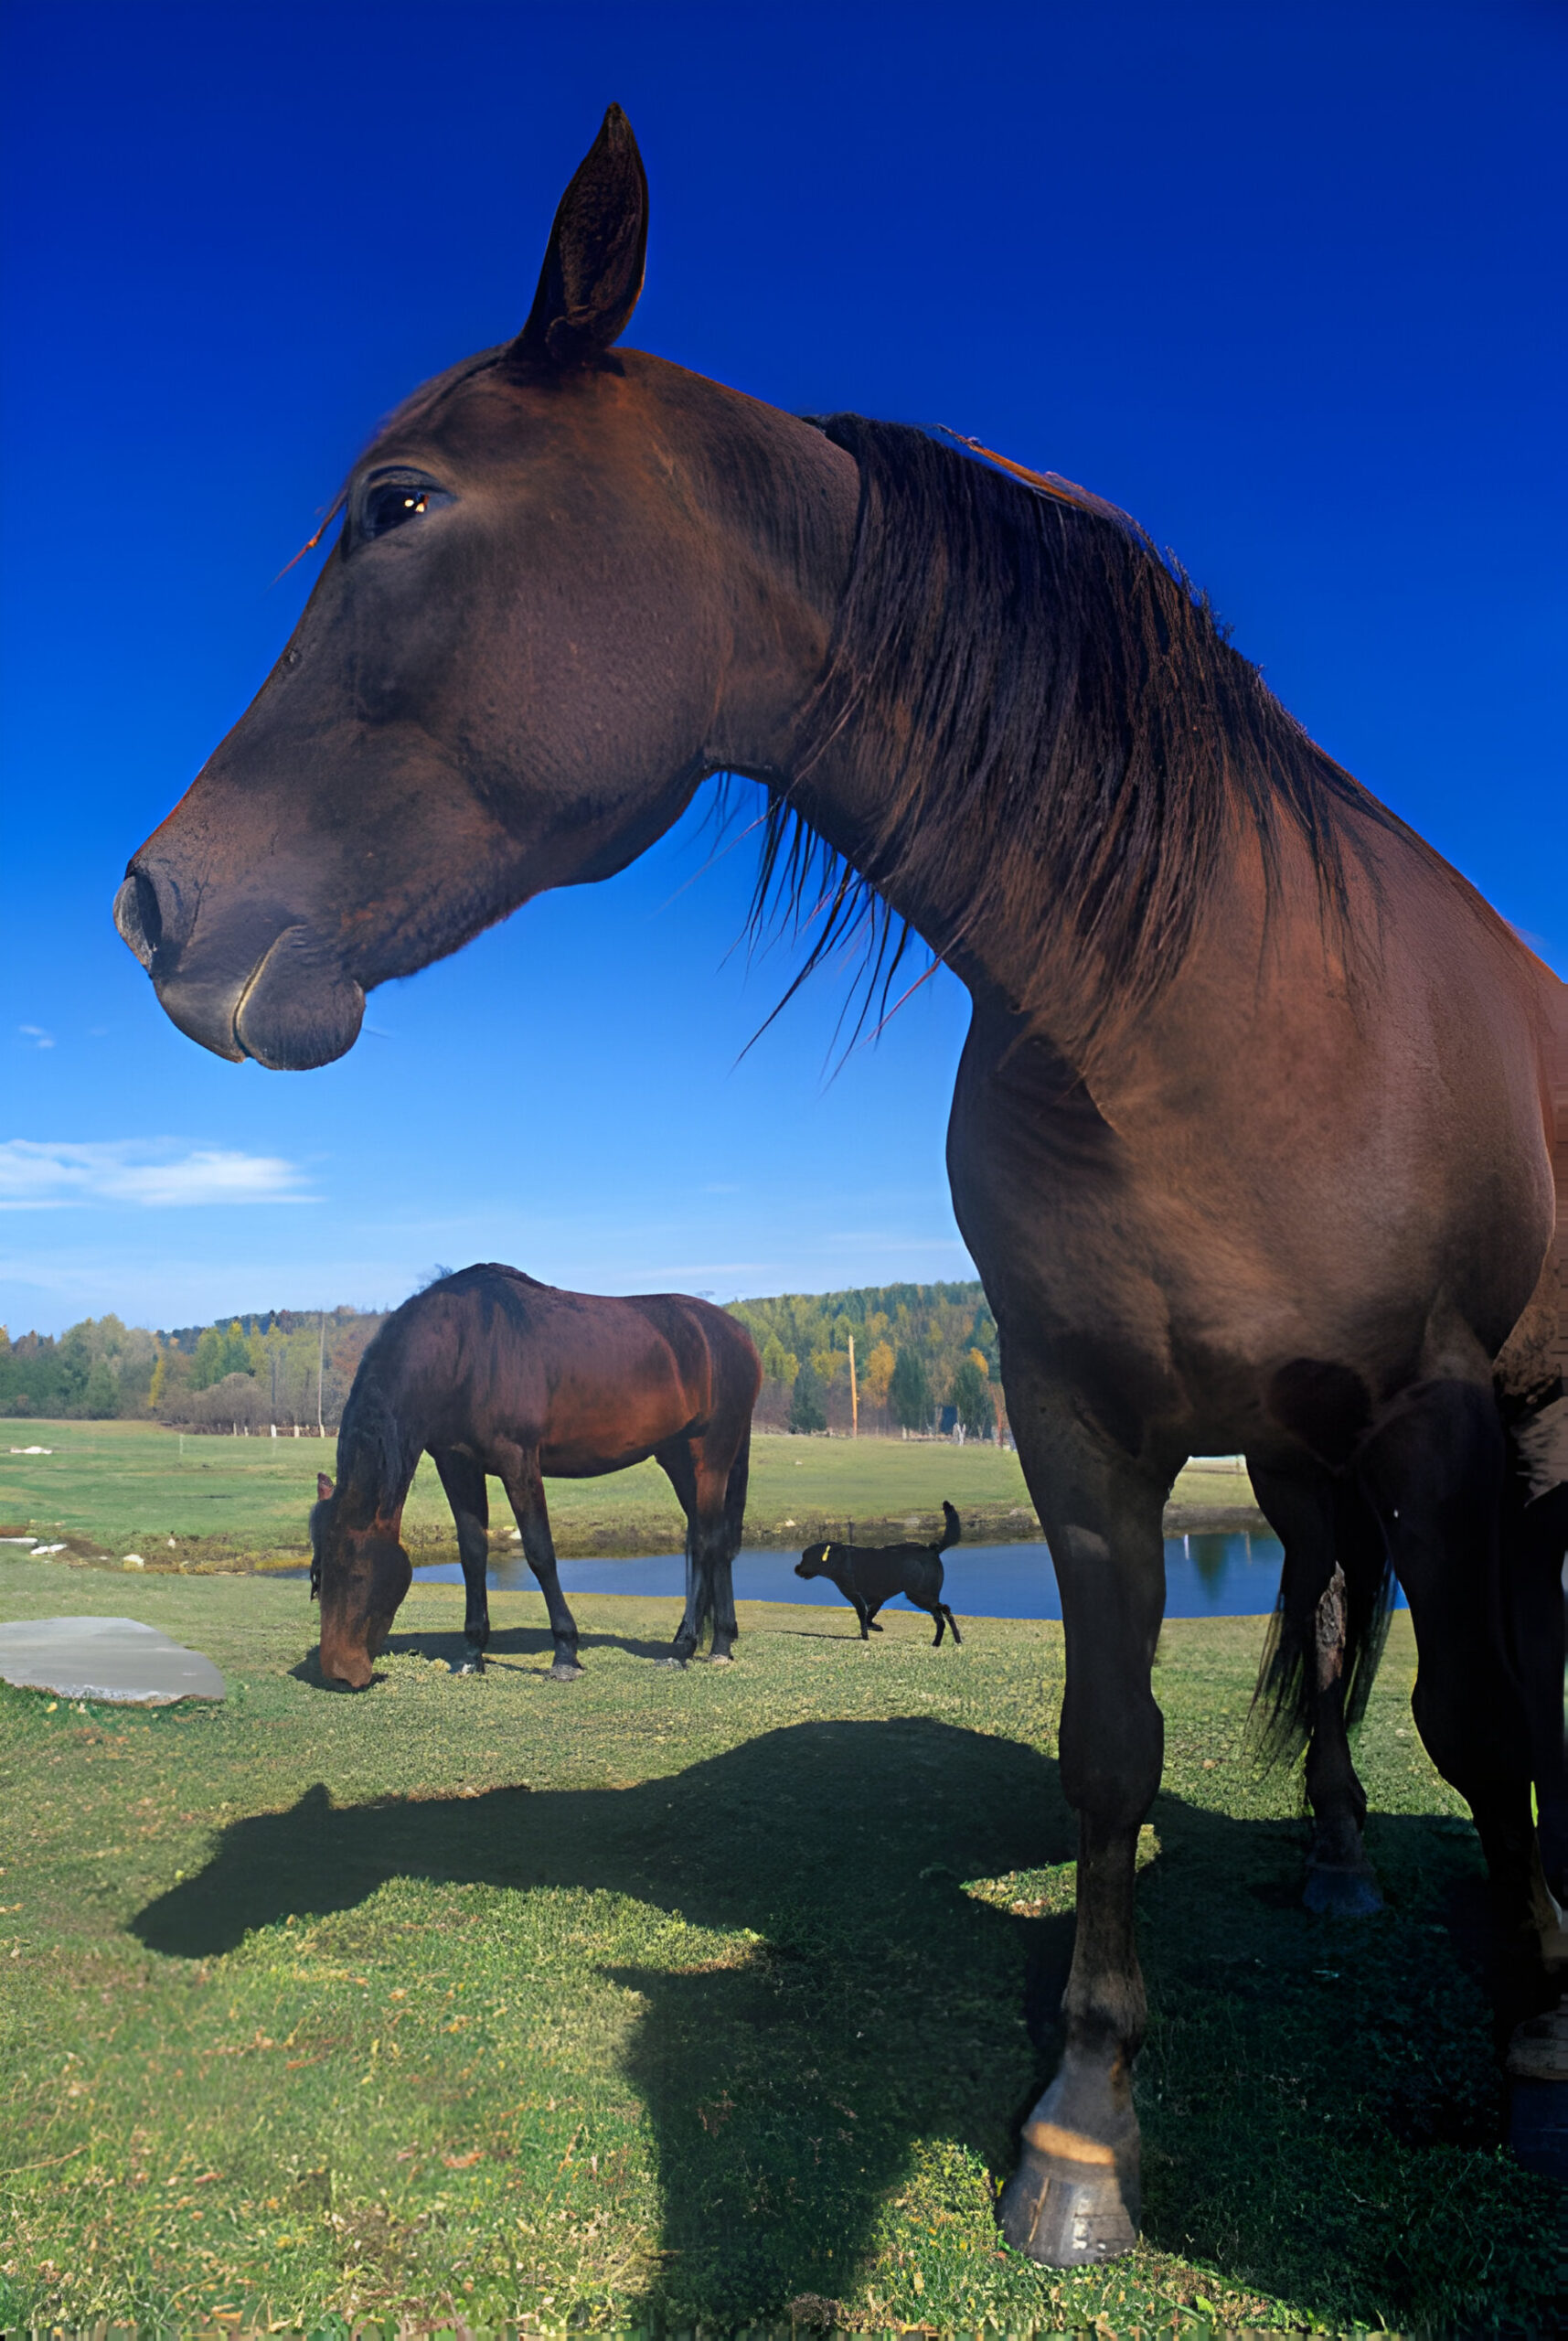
588,1462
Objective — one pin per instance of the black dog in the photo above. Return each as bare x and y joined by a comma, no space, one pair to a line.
868,1575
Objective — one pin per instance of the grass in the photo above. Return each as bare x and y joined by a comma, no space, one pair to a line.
114,1488
713,1996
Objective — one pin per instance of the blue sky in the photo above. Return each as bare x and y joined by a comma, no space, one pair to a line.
1282,281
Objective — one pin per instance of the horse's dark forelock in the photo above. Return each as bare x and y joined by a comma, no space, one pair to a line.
1080,742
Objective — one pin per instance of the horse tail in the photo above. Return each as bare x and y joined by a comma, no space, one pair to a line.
1352,1615
952,1534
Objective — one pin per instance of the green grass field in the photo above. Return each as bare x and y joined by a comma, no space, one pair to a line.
131,1487
668,1998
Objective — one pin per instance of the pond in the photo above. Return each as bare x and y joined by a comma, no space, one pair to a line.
1233,1575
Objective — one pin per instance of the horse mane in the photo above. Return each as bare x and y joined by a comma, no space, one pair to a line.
375,1461
379,1447
1014,665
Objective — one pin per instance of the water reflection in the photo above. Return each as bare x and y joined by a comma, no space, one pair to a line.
1206,1576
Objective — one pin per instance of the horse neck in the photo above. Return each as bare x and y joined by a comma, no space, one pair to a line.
374,1472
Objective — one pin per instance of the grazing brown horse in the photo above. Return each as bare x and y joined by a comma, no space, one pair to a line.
1261,1130
489,1371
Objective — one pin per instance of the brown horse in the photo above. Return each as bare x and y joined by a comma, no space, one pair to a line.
1256,1131
489,1371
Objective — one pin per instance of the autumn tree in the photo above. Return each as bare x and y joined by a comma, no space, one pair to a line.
808,1411
909,1391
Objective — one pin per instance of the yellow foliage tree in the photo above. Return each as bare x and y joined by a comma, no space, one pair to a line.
879,1373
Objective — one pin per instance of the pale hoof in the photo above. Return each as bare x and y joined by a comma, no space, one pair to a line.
470,1666
1071,2215
565,1670
1539,2050
1538,2108
1341,1893
721,1658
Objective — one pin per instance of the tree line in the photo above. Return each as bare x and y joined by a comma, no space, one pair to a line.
291,1367
925,1358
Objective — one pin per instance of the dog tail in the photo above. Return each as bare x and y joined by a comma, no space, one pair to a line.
953,1534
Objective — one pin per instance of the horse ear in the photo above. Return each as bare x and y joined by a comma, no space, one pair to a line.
323,1488
592,269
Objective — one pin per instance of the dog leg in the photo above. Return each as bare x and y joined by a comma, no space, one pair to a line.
953,1622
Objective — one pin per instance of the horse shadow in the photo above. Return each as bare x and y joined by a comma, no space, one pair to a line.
510,1649
507,1645
881,2005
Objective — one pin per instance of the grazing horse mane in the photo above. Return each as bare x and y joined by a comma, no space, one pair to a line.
1053,727
377,1457
379,1447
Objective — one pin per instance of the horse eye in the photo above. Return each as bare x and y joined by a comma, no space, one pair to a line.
393,501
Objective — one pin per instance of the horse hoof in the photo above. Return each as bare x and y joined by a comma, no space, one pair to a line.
1539,2048
678,1664
722,1658
1068,2214
470,1666
1341,1893
1538,2110
565,1670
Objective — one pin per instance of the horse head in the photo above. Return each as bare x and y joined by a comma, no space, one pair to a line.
360,1576
537,633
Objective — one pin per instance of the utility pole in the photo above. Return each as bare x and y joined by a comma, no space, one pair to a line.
854,1395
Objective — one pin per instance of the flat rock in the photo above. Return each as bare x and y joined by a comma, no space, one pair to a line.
118,1659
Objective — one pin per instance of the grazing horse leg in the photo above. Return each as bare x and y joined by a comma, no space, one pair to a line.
469,1497
1433,1470
704,1488
1074,2198
525,1490
1324,1555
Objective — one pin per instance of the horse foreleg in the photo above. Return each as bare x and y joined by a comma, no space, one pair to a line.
1074,2198
469,1497
525,1490
1312,1653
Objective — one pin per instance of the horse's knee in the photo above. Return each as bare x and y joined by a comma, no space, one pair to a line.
1111,1761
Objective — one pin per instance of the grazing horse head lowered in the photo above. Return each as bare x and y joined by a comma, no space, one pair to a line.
1262,1123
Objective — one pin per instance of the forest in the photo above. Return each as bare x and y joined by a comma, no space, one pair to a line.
925,1358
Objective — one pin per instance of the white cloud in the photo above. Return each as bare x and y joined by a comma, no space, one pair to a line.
37,1034
43,1175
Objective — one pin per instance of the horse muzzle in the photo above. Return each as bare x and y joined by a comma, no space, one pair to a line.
345,1660
267,986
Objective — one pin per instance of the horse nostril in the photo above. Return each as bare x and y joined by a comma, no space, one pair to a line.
138,916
